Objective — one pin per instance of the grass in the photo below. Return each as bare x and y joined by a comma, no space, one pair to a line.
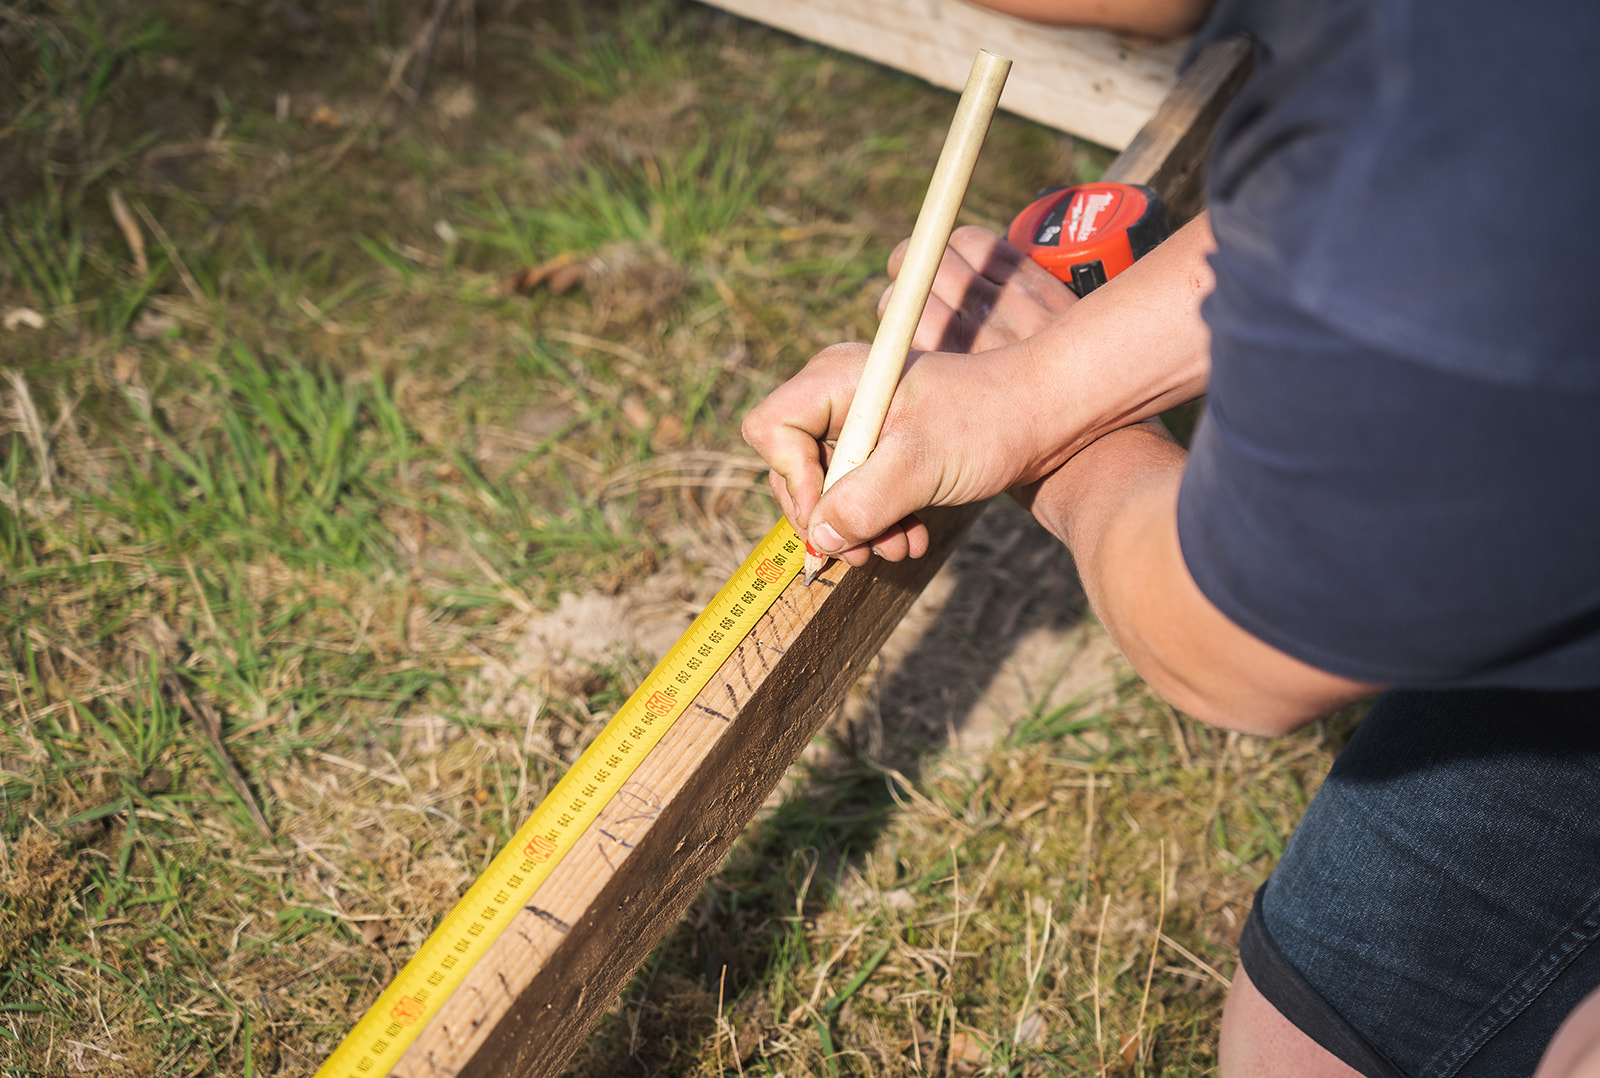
290,484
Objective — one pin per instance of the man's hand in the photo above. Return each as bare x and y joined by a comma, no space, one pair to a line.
1047,375
951,435
987,294
958,431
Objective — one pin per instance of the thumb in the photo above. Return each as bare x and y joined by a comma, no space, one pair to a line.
870,510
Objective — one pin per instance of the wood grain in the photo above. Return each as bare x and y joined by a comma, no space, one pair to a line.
1084,82
555,970
552,973
1169,152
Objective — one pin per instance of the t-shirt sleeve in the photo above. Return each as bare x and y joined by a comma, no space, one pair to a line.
1387,522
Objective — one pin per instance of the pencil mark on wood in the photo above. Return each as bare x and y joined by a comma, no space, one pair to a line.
505,984
762,648
624,843
731,697
549,918
638,803
625,817
718,714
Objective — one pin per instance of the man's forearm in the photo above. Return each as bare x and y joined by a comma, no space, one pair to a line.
1132,349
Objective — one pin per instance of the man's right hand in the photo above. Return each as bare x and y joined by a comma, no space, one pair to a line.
956,431
959,431
1049,374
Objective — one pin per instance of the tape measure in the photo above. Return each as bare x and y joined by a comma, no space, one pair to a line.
437,969
1086,235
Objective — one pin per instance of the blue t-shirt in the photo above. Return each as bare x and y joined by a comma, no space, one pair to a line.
1398,476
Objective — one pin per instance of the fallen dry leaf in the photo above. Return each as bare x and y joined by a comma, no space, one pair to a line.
1129,1047
967,1054
668,433
325,117
560,274
1031,1032
125,366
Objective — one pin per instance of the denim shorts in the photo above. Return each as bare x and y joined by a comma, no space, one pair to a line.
1437,911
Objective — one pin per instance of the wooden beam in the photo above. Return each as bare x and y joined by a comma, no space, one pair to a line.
525,1008
1169,152
558,966
1085,82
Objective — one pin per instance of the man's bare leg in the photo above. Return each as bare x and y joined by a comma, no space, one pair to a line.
1258,1042
1574,1051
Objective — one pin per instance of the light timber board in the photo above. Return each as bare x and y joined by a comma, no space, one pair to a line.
1087,83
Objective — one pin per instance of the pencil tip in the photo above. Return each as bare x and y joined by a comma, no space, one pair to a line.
814,564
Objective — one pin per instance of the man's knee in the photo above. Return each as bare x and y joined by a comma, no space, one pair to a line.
1258,1042
1574,1051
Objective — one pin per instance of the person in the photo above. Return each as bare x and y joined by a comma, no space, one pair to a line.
1390,304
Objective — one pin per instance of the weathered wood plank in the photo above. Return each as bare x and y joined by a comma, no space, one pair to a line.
554,971
1169,152
1085,82
527,1006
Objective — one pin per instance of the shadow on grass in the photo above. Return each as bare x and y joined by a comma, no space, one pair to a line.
752,931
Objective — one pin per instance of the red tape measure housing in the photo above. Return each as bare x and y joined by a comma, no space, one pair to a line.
1086,235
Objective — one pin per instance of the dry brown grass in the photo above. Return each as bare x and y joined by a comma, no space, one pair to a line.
410,538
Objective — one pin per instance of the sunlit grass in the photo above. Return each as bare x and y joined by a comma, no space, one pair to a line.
279,511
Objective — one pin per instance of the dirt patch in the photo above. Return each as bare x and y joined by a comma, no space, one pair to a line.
567,652
1000,634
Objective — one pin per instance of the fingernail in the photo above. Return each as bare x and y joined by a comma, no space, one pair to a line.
825,539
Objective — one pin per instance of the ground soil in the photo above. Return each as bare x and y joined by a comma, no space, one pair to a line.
1001,632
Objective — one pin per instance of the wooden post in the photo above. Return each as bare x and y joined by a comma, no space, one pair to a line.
524,1009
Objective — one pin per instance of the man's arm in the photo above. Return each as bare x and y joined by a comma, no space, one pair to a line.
1115,507
1151,18
1051,413
1048,377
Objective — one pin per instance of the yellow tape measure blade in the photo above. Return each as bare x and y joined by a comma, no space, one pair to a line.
417,993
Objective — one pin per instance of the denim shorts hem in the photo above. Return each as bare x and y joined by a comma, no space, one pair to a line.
1282,986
